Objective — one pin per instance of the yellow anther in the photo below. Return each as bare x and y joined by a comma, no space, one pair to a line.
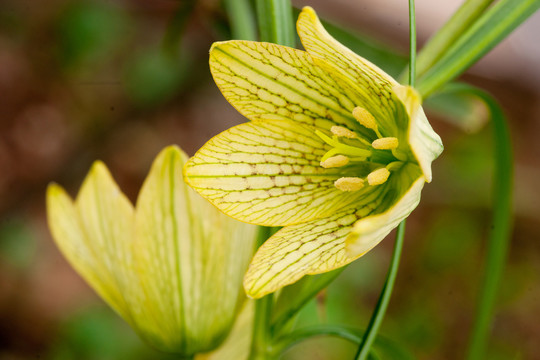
340,131
364,118
349,183
335,161
378,176
387,143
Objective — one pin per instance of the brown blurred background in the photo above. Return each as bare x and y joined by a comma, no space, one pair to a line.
119,80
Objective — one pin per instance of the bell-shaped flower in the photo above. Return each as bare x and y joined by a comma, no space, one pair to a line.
336,151
171,266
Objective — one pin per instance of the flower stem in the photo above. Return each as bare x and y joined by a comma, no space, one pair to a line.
384,299
412,44
241,18
370,335
392,350
276,22
261,325
263,311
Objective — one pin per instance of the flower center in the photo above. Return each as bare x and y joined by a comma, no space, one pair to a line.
349,149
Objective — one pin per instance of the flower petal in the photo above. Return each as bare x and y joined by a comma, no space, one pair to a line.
265,81
373,87
299,250
319,43
425,144
93,233
190,261
369,231
238,343
268,173
307,249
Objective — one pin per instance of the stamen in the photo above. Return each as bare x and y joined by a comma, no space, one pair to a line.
335,161
340,148
349,183
365,118
387,143
378,176
341,131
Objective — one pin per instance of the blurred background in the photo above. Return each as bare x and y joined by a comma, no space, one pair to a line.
119,80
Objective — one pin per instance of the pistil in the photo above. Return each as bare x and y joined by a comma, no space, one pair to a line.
349,148
340,148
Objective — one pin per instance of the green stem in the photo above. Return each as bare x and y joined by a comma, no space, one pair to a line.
412,44
297,336
384,299
261,324
391,349
437,45
241,18
369,337
275,21
263,311
499,239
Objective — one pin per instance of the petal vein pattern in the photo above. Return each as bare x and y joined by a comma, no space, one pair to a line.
270,82
306,249
333,139
267,173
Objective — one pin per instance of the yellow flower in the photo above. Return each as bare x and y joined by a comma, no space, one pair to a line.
172,266
337,152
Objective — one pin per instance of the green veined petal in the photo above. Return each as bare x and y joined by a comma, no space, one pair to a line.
268,173
319,43
373,87
310,248
190,259
369,231
425,144
92,234
390,114
265,81
238,342
295,251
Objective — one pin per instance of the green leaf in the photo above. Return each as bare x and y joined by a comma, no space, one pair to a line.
294,297
275,21
241,19
493,26
460,21
383,345
499,239
463,110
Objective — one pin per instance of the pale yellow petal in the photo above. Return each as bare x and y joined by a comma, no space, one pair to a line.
238,344
265,81
268,173
369,231
190,262
320,44
425,144
306,249
92,234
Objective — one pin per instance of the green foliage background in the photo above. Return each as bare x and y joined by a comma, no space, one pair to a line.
82,80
